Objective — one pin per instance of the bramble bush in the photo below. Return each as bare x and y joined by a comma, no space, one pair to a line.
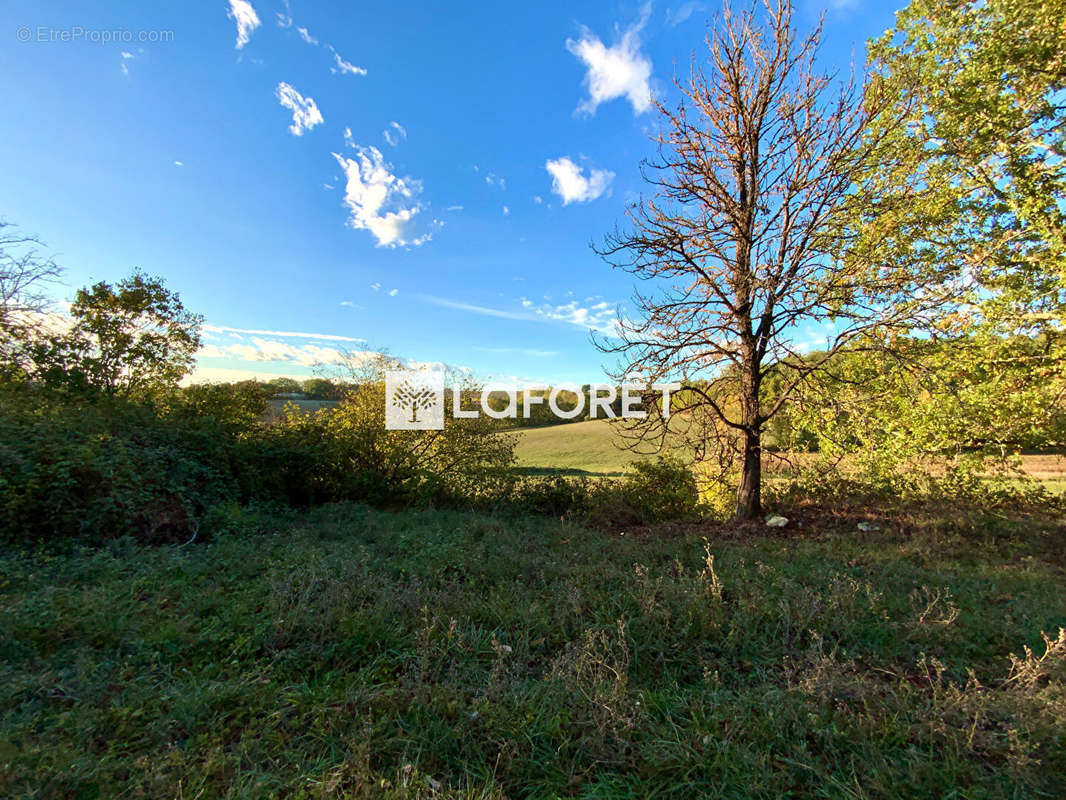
91,466
103,467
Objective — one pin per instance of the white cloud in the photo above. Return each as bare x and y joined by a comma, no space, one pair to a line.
475,309
572,186
492,179
241,12
305,114
621,70
179,163
454,208
285,17
395,133
343,67
379,201
307,37
305,355
331,337
393,292
126,56
506,211
597,316
375,286
675,16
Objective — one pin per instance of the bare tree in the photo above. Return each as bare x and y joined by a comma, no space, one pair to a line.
751,234
24,274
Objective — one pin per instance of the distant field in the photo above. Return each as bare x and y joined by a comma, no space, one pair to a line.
592,447
275,407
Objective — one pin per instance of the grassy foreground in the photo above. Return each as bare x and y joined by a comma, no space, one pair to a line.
353,653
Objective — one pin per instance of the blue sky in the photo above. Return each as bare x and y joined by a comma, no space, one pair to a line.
315,177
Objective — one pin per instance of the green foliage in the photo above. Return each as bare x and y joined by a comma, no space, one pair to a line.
945,419
652,491
980,83
104,469
663,489
346,453
348,653
237,407
134,339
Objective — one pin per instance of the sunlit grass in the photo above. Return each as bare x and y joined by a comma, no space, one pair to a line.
353,653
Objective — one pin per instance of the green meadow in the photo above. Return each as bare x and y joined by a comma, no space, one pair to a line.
347,652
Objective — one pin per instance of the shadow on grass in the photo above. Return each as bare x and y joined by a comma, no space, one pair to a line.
565,471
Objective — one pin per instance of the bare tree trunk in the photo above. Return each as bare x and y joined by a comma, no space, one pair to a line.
749,493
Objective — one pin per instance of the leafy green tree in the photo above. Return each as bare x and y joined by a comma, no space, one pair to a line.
321,389
235,407
134,339
971,196
981,84
285,386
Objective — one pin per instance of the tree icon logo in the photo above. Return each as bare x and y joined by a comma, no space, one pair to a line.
414,400
413,397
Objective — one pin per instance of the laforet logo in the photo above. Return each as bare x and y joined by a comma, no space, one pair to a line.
414,400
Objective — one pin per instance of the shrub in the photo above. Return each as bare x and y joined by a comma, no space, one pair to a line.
551,495
105,468
346,453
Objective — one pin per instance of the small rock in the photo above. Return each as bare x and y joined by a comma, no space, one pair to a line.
868,526
776,521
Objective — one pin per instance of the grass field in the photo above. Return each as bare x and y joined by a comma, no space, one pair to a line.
345,652
593,447
590,446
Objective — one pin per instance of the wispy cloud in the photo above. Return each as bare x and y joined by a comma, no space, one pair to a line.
378,200
307,37
620,70
124,66
675,16
569,182
394,134
598,316
285,17
305,114
242,12
260,349
331,337
492,179
444,302
342,67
